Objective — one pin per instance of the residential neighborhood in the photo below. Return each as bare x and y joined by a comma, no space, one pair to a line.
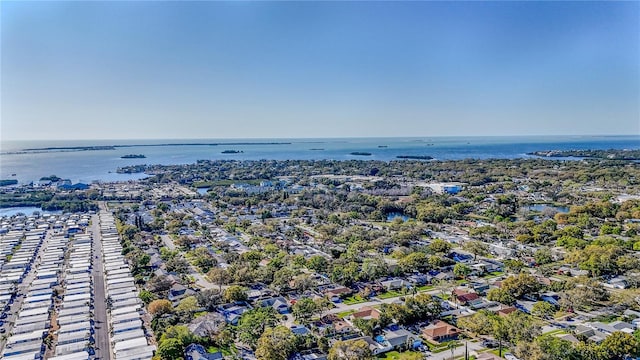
323,267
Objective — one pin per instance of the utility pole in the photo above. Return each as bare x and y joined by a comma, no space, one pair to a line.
452,347
466,350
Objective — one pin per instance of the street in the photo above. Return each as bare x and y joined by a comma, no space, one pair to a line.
200,279
21,291
101,336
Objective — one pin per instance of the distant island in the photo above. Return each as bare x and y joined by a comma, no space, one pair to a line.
232,151
8,182
415,157
133,156
610,154
113,147
316,149
361,153
382,146
134,169
73,148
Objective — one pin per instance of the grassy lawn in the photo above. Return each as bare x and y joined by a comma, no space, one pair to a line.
394,355
436,348
426,288
607,318
355,299
495,351
226,351
494,274
554,332
344,314
390,294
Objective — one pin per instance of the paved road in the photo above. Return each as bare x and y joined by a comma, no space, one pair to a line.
342,307
457,352
21,291
201,281
101,336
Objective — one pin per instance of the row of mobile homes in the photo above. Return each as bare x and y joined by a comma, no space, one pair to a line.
128,337
75,311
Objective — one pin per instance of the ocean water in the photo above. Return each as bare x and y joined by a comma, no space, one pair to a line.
101,165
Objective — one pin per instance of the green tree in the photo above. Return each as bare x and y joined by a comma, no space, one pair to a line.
188,305
619,345
543,256
439,246
146,296
235,293
521,327
501,296
171,349
543,309
520,285
253,323
513,265
479,323
373,269
318,263
367,326
414,261
219,276
500,332
461,270
423,307
209,298
476,248
350,350
304,309
277,343
556,348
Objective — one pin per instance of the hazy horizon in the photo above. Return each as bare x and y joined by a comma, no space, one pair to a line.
332,138
268,70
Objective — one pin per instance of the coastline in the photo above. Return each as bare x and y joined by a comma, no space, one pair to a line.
98,165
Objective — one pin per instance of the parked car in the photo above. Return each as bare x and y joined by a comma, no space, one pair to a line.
490,344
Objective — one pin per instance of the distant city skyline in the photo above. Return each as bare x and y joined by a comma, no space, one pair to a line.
193,70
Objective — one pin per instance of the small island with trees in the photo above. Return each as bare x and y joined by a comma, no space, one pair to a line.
415,157
611,154
133,156
232,151
8,182
361,153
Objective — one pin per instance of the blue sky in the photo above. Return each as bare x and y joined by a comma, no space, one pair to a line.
92,70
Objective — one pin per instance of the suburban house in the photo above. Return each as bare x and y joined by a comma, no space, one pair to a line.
440,331
279,304
177,292
336,293
597,331
365,313
400,338
443,276
198,352
342,327
504,311
465,298
232,312
551,297
394,284
378,346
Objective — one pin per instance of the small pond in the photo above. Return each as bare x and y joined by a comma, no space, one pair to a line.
542,207
394,215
